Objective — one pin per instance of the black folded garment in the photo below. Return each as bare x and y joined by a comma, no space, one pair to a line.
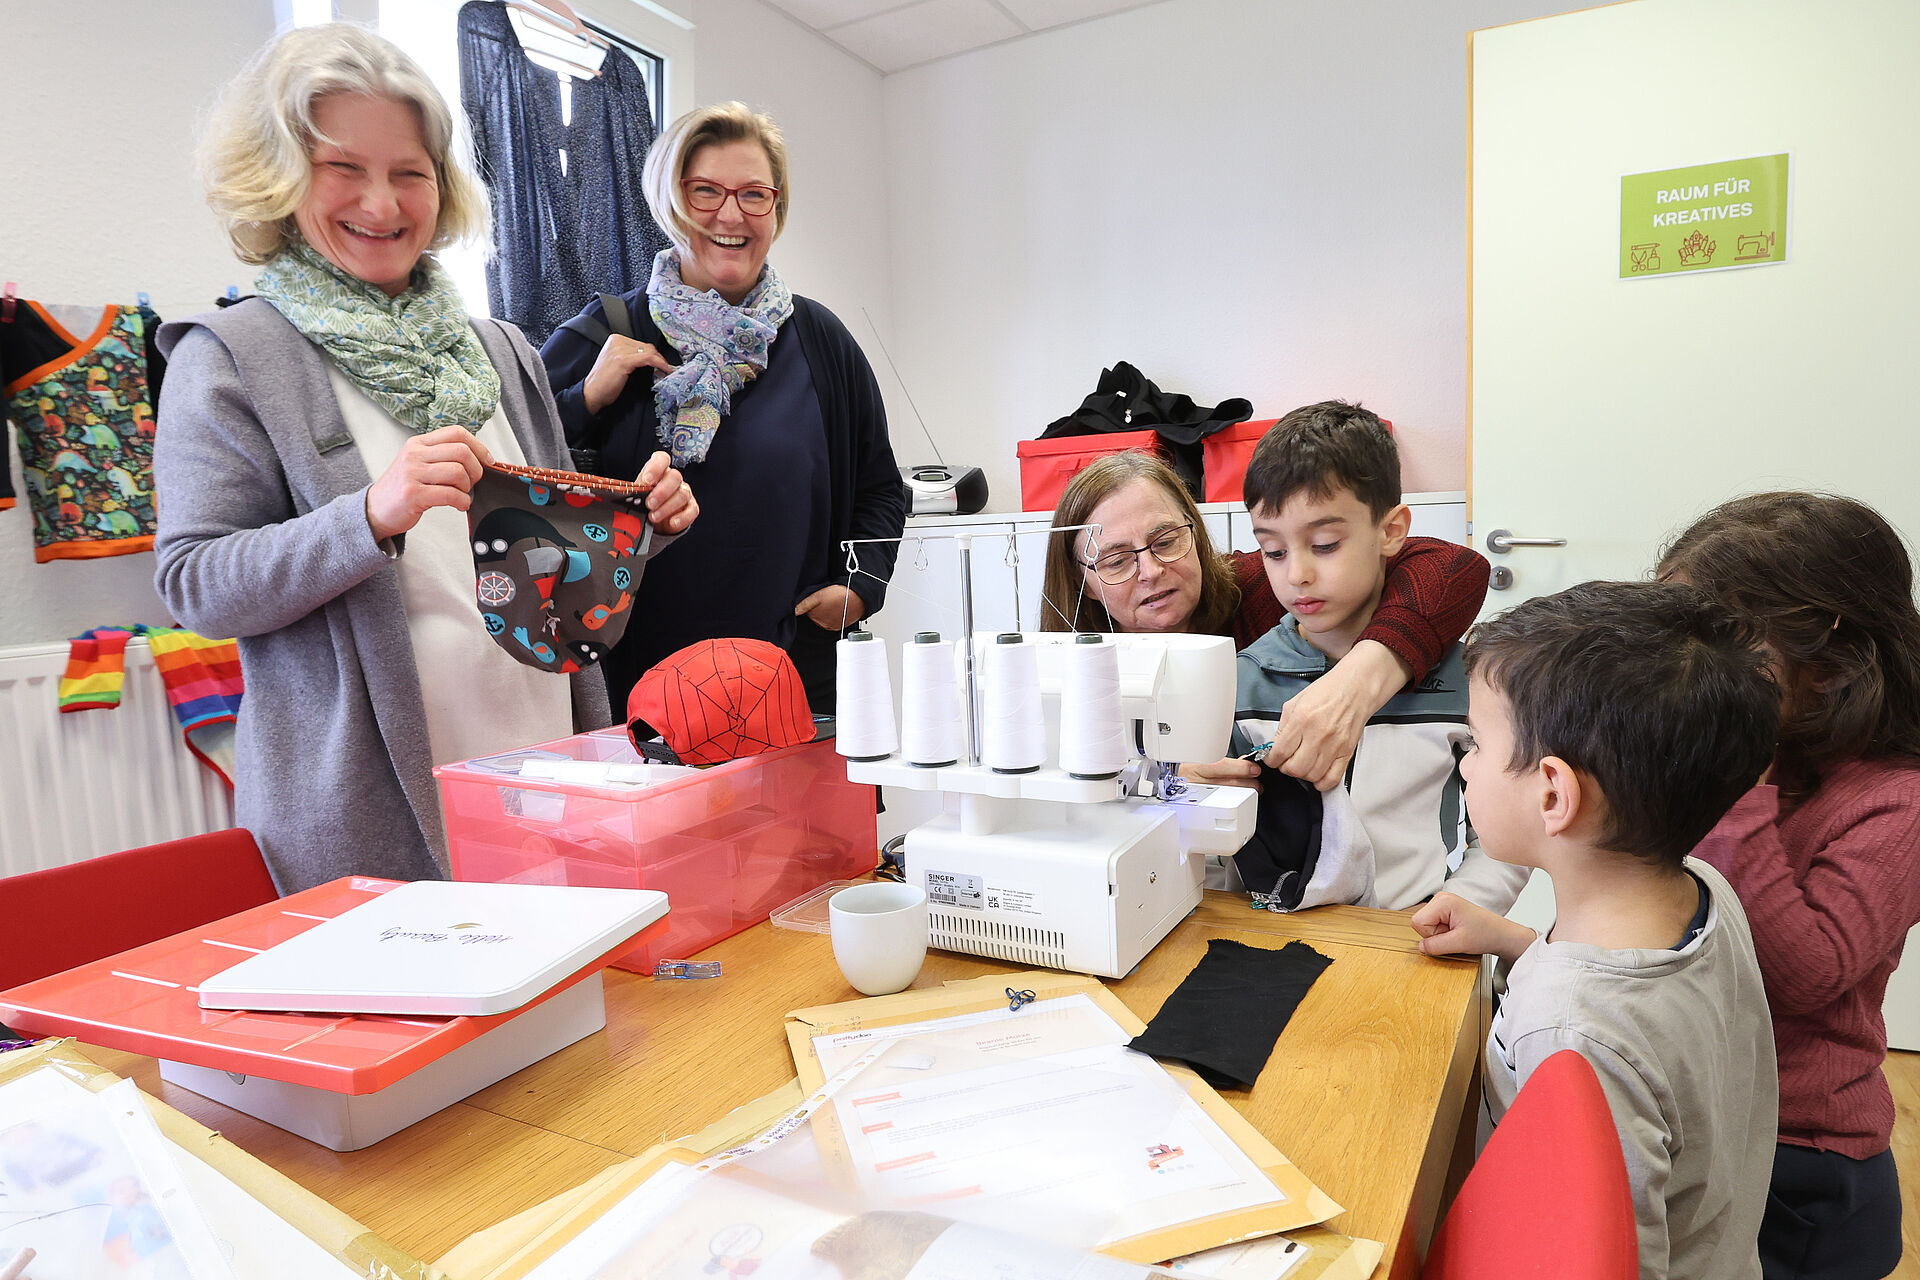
1224,1018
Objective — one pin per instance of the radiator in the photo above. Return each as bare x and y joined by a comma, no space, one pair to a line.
90,782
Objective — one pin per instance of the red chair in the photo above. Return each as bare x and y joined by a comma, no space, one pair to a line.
55,919
1549,1195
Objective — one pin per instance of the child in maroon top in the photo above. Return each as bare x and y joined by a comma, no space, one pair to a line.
1825,852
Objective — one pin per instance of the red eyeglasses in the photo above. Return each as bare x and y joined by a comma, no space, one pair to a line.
756,200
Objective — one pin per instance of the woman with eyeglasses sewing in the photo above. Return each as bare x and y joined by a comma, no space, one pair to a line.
762,397
1152,567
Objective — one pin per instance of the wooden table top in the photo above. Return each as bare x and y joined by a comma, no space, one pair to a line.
1365,1090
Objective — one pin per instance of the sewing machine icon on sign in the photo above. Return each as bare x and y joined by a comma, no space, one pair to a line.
1644,257
1753,248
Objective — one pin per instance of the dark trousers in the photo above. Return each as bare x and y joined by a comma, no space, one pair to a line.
1830,1217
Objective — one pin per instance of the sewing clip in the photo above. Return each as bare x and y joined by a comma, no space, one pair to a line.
1017,999
8,300
686,969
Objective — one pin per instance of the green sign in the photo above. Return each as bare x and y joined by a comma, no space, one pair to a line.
1708,217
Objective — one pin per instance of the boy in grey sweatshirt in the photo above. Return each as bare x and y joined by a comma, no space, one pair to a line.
1613,724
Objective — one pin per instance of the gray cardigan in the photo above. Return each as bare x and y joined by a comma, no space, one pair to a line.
263,535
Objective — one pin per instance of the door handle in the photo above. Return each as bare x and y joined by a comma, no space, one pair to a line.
1499,541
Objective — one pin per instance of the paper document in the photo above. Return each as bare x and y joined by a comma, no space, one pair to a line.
680,1222
1268,1258
88,1182
987,1116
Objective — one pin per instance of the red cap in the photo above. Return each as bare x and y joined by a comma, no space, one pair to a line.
719,700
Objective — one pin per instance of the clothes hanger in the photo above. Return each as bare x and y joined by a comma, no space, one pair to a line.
566,43
557,13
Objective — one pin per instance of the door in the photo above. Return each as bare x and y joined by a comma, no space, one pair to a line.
1610,412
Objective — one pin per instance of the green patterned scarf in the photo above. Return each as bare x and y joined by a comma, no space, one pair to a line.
416,355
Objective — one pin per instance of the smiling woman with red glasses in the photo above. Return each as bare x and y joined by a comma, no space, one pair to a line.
762,397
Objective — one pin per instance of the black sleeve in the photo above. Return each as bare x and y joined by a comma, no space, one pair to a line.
569,358
879,495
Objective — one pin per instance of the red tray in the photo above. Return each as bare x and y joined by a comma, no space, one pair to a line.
147,1001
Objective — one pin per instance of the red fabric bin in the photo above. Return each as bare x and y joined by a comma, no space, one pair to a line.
1047,466
1224,456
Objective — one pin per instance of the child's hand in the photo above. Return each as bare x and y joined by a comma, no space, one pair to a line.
1450,925
1231,772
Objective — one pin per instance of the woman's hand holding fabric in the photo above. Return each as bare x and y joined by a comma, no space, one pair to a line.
617,360
670,503
1230,772
434,469
832,608
1320,726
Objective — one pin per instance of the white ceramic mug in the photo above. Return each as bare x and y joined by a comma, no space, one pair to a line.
879,935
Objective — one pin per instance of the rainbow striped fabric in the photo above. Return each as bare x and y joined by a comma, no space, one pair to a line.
202,677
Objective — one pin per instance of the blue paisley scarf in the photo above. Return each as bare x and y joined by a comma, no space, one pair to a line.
416,355
722,347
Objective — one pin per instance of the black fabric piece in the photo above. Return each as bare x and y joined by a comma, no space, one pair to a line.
1280,858
559,235
1224,1018
1125,400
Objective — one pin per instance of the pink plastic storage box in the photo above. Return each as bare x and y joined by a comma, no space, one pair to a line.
1048,466
726,845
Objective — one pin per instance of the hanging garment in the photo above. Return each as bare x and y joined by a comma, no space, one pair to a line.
83,406
560,235
202,678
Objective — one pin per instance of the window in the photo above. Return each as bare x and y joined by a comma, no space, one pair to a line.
427,30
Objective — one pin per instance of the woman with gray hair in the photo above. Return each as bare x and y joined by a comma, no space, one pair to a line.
765,401
316,451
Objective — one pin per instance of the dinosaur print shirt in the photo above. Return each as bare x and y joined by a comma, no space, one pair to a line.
80,394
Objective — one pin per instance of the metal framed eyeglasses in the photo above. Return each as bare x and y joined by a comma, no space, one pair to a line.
1117,565
756,200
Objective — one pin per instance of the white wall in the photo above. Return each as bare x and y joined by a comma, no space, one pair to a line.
98,202
1259,198
829,105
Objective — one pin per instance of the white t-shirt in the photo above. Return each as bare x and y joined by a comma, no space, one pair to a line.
479,701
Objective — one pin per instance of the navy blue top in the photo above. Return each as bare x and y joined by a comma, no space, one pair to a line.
801,462
762,530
